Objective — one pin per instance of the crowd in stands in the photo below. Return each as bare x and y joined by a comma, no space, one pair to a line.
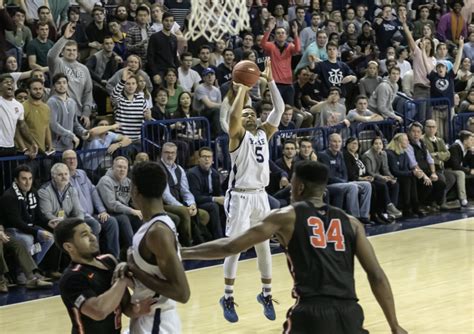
80,80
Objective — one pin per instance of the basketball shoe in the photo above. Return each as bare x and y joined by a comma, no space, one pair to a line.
228,305
267,303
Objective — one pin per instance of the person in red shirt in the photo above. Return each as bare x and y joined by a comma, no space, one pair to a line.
281,51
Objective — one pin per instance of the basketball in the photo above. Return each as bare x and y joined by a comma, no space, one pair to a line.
246,72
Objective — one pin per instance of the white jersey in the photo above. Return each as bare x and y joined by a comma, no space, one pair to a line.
141,292
250,168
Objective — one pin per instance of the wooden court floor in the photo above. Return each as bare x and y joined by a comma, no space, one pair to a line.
431,270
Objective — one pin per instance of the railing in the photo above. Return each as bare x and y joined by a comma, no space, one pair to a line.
460,123
95,162
184,132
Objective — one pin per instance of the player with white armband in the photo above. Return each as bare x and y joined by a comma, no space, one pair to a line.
246,201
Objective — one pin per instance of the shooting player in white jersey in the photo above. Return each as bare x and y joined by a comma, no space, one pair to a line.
154,259
246,201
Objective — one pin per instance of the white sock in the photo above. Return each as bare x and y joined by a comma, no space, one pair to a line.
266,289
228,291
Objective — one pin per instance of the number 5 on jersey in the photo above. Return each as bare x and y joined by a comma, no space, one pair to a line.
258,153
320,238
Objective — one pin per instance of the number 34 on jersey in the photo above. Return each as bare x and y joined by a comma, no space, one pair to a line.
320,238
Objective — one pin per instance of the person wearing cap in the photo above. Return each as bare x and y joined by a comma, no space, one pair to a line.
442,86
207,100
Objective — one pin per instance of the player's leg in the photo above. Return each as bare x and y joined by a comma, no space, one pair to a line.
261,208
237,210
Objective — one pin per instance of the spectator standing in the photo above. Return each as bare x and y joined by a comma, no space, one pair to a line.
121,15
247,45
79,79
204,57
139,35
281,53
188,78
162,51
134,65
224,70
102,66
130,106
37,118
37,49
97,30
309,34
6,24
20,36
442,86
207,100
418,25
64,122
452,25
12,119
423,64
333,73
385,28
44,17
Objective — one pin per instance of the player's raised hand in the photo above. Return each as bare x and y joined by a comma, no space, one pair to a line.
239,86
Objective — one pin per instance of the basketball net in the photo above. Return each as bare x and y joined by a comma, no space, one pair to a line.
212,19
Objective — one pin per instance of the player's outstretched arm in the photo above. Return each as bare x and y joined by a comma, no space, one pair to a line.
161,242
275,224
274,118
236,130
378,280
